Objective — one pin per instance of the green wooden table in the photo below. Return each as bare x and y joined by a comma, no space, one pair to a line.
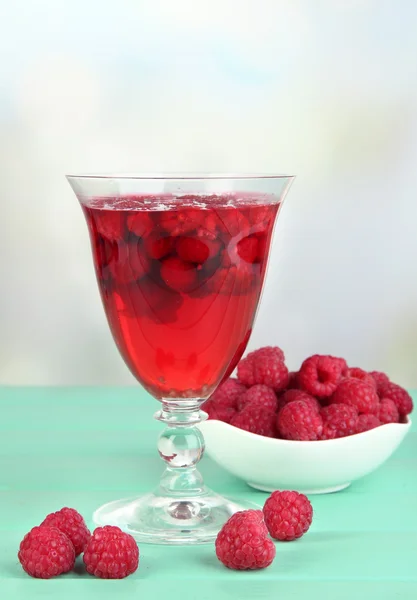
82,447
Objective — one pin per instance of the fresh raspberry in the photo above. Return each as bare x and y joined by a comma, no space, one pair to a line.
380,379
319,375
264,366
70,522
218,412
357,373
342,362
179,275
339,420
356,393
288,515
111,553
399,396
256,419
366,422
292,395
298,420
388,411
261,395
228,393
45,552
266,352
140,223
243,542
157,247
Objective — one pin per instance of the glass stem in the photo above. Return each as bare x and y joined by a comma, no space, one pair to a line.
181,446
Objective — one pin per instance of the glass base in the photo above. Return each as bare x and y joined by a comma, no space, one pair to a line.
157,519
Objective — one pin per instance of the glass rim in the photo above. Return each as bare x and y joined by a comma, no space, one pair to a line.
180,176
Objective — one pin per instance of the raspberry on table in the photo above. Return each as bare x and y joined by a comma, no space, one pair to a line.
380,379
388,411
358,394
256,419
292,395
319,375
288,515
298,420
71,523
243,542
261,395
357,373
339,420
366,422
264,366
399,396
111,553
228,393
46,552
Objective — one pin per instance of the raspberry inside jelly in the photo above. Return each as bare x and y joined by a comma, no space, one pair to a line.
180,284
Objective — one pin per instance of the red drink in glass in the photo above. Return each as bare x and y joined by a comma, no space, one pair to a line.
180,284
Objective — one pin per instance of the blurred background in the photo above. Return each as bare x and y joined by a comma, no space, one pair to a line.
326,90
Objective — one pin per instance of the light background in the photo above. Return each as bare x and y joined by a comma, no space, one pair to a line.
325,89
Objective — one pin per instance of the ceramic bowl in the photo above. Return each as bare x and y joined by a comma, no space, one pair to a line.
310,467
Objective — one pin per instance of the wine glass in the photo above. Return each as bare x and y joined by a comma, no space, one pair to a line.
180,262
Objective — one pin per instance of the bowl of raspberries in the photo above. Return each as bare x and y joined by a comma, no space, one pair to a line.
315,430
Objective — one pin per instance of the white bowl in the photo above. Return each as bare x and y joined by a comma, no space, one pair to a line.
321,467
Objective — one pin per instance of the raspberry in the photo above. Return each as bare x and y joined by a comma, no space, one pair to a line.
388,411
288,515
228,393
140,223
380,379
247,249
267,351
110,224
180,222
192,250
259,395
111,553
256,419
299,421
339,420
292,395
367,422
357,373
399,396
218,413
45,552
70,522
356,393
179,275
264,366
319,375
157,247
243,542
